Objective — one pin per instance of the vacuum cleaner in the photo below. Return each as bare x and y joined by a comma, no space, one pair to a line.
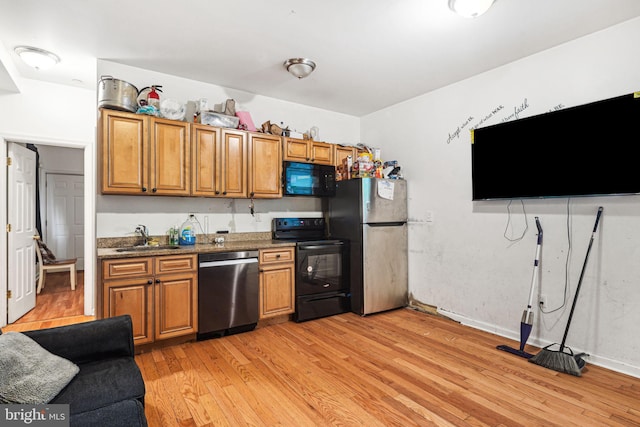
526,323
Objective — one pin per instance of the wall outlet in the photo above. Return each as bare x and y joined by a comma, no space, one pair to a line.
429,216
542,301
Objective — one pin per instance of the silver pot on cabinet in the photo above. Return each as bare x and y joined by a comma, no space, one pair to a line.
117,94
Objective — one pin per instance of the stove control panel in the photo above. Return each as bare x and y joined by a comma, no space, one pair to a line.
298,228
298,224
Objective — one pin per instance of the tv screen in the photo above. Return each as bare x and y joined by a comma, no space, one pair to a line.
588,150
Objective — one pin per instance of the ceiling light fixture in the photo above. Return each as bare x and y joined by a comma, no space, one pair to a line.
37,58
470,8
300,67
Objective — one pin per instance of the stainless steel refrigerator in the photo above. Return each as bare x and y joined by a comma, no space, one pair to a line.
372,214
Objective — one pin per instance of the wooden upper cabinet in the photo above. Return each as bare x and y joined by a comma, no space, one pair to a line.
169,157
205,148
322,153
265,166
341,152
307,151
123,152
144,155
296,150
219,162
233,163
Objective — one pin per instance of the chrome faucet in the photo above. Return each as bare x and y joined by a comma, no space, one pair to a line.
144,231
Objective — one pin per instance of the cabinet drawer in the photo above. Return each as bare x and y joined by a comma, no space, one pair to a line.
130,267
271,256
173,263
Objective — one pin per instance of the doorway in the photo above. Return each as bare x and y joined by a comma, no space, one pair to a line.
62,209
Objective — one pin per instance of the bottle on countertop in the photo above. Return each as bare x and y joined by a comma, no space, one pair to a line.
174,233
188,231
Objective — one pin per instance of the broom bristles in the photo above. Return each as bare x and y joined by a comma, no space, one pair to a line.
558,361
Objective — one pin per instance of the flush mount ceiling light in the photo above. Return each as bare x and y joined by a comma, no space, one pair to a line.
470,8
300,67
37,58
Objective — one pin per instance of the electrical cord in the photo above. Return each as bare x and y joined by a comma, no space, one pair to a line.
566,267
509,221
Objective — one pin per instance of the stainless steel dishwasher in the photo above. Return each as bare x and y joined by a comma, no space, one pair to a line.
228,292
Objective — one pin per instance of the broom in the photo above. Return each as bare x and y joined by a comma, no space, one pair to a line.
526,323
563,360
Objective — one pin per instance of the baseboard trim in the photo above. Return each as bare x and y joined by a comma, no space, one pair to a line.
594,359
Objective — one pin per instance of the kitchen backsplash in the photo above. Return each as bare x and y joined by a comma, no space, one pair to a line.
124,224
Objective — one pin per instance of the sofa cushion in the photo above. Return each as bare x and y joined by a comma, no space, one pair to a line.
102,383
29,373
126,413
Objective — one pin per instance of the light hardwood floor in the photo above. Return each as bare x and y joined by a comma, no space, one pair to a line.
56,299
56,305
400,368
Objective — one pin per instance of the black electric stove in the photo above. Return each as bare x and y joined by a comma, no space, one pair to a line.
322,267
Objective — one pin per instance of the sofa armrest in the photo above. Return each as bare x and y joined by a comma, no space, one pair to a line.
83,342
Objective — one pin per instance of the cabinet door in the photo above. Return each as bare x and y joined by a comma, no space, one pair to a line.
277,294
205,176
233,167
296,150
135,298
321,153
265,166
341,153
176,307
169,158
124,153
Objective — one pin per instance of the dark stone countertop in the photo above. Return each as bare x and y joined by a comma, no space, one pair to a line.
109,248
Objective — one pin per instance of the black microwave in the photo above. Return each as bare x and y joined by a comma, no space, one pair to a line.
307,179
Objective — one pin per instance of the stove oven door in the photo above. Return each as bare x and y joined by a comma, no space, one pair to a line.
321,267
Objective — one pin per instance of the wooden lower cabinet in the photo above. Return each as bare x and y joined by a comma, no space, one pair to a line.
277,282
133,297
159,293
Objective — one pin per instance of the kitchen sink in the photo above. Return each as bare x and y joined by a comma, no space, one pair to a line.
147,248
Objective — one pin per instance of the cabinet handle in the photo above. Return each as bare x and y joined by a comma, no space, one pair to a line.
157,280
278,255
308,159
252,194
224,193
153,190
149,282
144,189
217,192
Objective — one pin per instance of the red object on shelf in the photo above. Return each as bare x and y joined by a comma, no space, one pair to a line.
153,98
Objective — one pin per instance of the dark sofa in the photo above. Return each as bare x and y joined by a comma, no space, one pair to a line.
109,389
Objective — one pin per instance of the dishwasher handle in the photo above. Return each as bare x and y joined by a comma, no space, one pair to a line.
228,262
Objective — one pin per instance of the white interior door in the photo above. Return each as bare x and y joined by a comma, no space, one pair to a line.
65,216
21,256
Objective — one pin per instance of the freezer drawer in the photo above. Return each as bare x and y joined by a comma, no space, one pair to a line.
385,267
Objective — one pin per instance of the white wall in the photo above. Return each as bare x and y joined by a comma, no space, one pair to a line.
334,127
460,261
50,114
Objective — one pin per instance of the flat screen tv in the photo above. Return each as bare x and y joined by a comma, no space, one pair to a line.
588,150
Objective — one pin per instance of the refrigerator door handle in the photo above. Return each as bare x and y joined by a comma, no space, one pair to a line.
368,206
386,224
302,246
